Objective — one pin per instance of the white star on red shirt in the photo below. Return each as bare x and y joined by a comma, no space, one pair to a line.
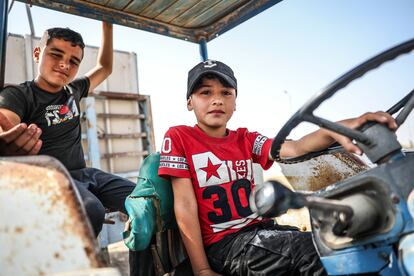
211,169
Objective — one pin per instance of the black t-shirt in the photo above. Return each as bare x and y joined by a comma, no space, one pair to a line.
57,114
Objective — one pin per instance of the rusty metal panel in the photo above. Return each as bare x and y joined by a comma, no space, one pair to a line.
184,19
321,171
43,229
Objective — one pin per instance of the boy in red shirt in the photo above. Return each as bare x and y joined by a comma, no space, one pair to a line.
211,171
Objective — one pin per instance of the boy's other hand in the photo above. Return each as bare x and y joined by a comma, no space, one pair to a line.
379,116
19,139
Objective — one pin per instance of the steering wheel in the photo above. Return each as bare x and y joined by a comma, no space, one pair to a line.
362,138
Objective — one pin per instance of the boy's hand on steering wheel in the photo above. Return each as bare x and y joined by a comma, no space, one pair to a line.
379,116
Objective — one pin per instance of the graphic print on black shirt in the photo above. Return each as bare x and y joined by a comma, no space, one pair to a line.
56,114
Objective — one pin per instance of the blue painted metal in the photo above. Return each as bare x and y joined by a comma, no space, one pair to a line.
392,269
359,261
377,254
29,17
203,49
390,252
91,132
410,203
3,39
406,249
144,106
406,246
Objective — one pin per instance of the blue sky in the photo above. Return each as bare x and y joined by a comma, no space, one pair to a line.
281,58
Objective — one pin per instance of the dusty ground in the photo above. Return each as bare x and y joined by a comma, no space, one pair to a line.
118,255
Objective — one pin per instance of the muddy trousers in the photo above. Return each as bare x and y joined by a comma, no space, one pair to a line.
266,249
99,191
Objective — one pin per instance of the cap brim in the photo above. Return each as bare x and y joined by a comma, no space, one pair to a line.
229,80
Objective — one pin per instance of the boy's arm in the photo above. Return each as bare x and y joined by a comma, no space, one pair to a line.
17,138
323,138
186,213
104,61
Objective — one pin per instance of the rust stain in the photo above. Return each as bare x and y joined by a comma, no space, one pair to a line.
55,185
18,230
89,125
88,251
351,161
325,175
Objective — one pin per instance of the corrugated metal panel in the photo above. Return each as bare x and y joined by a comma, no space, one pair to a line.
184,19
214,12
136,6
175,10
194,12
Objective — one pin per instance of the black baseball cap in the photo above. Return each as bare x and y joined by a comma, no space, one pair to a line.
210,67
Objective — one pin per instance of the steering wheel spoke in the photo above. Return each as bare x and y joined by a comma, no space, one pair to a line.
406,110
335,127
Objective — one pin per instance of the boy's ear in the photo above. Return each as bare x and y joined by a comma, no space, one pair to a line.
189,104
234,107
36,54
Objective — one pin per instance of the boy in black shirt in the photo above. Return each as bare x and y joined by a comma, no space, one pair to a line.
42,117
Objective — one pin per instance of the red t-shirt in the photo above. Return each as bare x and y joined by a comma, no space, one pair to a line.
221,171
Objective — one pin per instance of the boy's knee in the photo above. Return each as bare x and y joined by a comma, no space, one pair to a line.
96,214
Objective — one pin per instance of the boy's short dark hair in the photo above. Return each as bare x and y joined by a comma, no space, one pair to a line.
210,69
62,33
